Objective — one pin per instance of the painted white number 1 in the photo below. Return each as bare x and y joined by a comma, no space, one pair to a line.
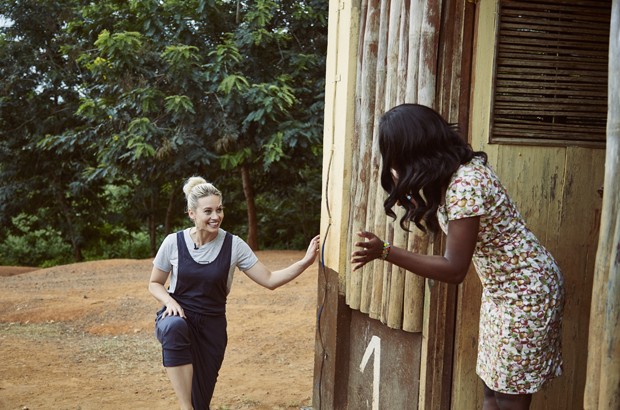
373,347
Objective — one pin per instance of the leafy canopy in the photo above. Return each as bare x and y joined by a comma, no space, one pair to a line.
138,95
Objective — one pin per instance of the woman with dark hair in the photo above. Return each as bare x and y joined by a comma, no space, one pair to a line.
443,183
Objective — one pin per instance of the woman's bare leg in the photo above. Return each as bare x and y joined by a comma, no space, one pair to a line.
513,401
489,399
181,379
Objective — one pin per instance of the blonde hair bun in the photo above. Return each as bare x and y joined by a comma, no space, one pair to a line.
191,183
197,187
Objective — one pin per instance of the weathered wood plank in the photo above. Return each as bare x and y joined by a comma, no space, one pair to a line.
554,187
603,372
403,51
394,232
413,58
429,49
437,301
467,388
366,127
413,315
374,163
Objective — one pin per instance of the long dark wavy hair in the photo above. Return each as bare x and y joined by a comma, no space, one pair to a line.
424,151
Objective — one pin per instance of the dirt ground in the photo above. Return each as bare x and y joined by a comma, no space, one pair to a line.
81,337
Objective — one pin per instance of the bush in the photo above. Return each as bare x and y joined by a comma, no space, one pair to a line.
131,245
32,246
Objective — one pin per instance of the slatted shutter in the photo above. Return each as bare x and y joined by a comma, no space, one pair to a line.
550,85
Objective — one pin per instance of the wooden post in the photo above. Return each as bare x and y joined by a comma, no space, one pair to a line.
413,316
366,126
397,236
603,375
374,190
413,59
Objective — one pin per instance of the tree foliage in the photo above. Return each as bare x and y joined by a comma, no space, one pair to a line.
139,95
41,164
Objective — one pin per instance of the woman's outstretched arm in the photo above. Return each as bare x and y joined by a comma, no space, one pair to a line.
452,267
260,274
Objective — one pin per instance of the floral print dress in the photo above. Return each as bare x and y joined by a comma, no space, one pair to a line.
519,342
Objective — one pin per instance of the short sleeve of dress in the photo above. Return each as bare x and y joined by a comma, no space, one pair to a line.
466,195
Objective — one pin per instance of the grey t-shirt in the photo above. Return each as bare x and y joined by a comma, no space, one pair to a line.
167,258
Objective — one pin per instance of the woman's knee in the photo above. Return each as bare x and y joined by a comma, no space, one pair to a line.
172,327
174,335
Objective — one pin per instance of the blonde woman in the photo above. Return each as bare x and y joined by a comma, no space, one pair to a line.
200,261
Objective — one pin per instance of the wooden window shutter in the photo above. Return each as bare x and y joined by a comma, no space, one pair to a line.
550,84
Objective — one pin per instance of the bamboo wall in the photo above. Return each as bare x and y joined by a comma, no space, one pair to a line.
380,55
397,63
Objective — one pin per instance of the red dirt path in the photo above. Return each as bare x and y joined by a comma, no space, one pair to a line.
80,336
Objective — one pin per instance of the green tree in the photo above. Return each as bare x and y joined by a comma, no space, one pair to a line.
144,98
170,91
268,76
133,96
41,163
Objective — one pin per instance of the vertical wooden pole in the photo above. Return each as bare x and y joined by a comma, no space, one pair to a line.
429,49
413,315
360,200
396,236
413,59
360,87
374,190
603,374
413,297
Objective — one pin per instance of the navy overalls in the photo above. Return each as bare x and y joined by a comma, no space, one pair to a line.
201,290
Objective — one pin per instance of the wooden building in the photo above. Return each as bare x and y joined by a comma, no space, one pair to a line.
535,84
